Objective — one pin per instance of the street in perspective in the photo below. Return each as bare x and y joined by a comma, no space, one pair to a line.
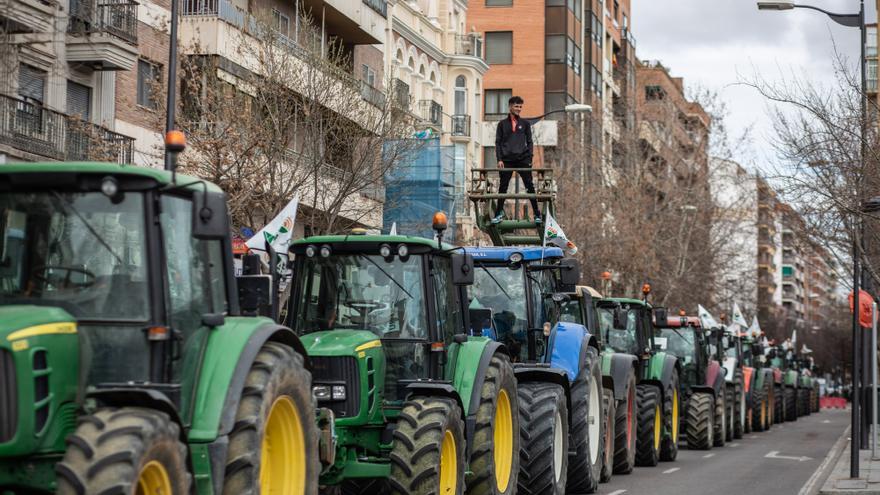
439,247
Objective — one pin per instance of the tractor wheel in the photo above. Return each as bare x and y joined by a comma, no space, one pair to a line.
720,426
273,445
748,426
779,404
730,405
808,402
494,459
127,450
700,420
790,404
770,397
428,456
543,427
650,428
625,429
739,405
758,411
608,454
671,421
587,429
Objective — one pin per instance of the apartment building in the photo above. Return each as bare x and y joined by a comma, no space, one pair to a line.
873,40
769,256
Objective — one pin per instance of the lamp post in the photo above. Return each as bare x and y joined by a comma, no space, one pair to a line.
171,99
848,20
570,108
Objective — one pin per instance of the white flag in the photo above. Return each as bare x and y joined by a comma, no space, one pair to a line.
279,232
794,339
755,329
738,317
706,319
393,229
554,235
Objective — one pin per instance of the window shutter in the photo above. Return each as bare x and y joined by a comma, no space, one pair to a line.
79,100
31,83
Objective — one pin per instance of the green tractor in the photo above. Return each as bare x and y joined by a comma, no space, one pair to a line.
126,364
775,362
761,393
420,405
645,381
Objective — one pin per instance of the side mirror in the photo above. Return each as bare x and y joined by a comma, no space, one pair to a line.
462,269
661,317
481,321
255,295
561,297
620,318
569,272
210,217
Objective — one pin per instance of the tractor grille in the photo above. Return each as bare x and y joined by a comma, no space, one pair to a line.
8,397
339,371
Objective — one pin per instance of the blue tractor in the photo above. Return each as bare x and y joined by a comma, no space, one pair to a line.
516,300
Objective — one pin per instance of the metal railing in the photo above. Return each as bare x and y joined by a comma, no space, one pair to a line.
400,93
431,111
34,129
372,95
469,45
461,125
380,6
115,17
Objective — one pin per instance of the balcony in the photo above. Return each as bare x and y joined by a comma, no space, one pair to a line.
431,112
38,16
469,45
461,125
54,135
372,95
379,6
103,34
400,93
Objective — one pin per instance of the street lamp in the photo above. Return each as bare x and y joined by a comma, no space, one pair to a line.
848,20
570,108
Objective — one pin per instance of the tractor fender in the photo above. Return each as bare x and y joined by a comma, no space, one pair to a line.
703,388
568,348
749,376
660,371
219,386
427,389
138,397
620,365
471,365
715,376
777,376
526,373
730,365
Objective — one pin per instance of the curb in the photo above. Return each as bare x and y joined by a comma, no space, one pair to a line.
820,476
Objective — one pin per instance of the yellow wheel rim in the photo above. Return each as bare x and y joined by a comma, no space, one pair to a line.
675,416
283,454
153,480
448,464
503,441
658,426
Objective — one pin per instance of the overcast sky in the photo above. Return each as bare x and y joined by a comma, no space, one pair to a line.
716,43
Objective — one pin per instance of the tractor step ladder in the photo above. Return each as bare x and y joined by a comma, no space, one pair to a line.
513,230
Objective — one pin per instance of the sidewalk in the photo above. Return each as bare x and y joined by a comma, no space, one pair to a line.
839,482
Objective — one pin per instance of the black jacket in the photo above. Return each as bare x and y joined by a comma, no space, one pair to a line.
514,146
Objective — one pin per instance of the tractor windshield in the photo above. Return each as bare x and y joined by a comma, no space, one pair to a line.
619,339
503,290
83,252
679,342
360,292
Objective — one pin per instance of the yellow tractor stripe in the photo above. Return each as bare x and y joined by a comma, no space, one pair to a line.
369,345
47,329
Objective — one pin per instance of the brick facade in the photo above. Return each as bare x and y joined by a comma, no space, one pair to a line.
153,46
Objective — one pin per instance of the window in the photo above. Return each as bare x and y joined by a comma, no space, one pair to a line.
499,47
460,96
79,100
499,3
449,317
654,93
31,84
368,75
149,76
556,101
554,48
496,102
489,160
281,23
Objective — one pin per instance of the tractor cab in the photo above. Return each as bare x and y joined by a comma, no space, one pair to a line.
626,325
683,337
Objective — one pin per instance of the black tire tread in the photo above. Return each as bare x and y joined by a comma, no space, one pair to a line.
608,404
583,472
648,399
625,455
539,403
699,421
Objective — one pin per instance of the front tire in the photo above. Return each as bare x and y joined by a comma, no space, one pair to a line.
608,457
543,439
671,421
700,421
428,456
273,445
720,426
127,450
650,428
790,404
739,401
587,427
495,452
625,429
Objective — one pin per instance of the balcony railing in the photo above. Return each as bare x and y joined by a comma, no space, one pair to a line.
115,17
469,45
400,93
372,95
431,111
39,131
380,6
461,125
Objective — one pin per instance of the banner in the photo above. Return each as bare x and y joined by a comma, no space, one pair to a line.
706,319
866,308
738,317
279,232
554,235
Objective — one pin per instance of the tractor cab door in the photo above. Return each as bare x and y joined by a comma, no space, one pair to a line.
448,303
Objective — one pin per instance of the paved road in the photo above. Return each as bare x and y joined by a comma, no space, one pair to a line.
742,467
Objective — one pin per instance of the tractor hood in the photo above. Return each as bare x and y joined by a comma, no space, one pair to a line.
339,342
16,322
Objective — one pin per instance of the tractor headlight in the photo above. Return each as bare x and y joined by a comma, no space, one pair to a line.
402,250
338,392
311,251
325,251
322,392
516,257
385,250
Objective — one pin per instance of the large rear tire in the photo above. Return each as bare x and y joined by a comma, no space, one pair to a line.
650,428
543,426
608,457
128,450
625,429
759,411
495,456
730,411
700,421
790,404
780,404
739,404
428,456
587,429
671,420
273,445
720,426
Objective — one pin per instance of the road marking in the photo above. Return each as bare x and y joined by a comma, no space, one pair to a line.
826,422
618,492
775,455
708,456
733,445
670,471
754,437
818,477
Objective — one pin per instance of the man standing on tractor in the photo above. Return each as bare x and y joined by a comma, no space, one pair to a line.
514,149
